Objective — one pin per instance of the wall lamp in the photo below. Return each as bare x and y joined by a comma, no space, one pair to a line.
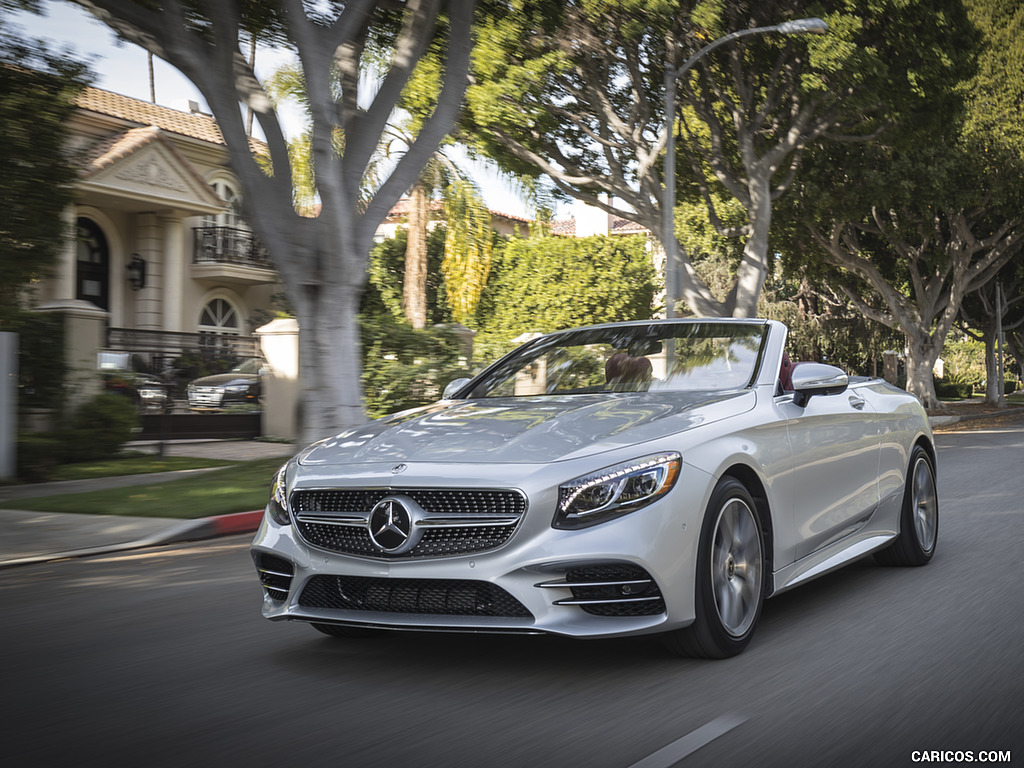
137,272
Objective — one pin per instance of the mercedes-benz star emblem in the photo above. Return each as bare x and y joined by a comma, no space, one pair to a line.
390,525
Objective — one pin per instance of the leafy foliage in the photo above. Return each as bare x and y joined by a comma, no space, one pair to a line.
37,95
386,273
100,426
405,368
42,371
543,284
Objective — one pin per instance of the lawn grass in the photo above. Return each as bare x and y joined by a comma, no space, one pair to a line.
242,487
132,464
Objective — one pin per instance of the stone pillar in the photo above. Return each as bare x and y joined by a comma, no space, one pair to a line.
63,282
890,365
8,405
175,261
279,340
84,337
148,304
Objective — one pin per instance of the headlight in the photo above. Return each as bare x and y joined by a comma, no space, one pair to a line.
616,491
237,388
278,504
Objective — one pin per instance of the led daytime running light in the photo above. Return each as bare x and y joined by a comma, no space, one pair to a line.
619,489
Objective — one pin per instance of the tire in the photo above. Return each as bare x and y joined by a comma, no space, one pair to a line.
340,630
730,577
919,517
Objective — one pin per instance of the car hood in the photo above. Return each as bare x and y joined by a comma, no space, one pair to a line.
525,429
224,379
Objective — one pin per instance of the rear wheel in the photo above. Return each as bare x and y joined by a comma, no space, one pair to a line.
919,518
730,577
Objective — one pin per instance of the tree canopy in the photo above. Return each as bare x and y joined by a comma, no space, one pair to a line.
38,88
574,91
922,216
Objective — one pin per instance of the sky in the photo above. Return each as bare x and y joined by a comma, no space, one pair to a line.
123,68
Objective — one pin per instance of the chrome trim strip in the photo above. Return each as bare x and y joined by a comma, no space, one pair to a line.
349,520
276,573
614,601
570,584
466,522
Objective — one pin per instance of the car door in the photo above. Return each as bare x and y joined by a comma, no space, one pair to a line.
835,441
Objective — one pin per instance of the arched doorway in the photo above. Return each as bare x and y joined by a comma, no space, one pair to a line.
92,268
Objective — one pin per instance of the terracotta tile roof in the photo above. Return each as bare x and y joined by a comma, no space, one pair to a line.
619,226
118,146
622,226
511,217
401,208
196,126
564,227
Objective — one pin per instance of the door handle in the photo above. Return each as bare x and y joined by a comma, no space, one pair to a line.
857,402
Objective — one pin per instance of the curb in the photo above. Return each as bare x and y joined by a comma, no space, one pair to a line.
942,421
187,530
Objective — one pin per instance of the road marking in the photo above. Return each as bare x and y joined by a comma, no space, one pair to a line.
691,742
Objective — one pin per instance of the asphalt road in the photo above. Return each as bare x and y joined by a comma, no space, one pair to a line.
160,658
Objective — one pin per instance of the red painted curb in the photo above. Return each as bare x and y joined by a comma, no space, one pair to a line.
240,522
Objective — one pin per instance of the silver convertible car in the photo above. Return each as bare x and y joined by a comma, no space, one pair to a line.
621,479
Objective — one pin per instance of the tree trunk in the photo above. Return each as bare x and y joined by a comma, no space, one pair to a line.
330,360
922,352
753,267
414,287
993,385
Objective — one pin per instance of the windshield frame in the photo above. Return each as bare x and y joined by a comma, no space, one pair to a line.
481,386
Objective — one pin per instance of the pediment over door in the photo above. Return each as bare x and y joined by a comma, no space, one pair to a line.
141,169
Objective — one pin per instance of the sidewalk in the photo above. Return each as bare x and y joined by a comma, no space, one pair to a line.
35,537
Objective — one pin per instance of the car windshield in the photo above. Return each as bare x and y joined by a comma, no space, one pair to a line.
252,365
629,358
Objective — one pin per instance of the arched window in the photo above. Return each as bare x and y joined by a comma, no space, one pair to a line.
232,216
92,268
219,317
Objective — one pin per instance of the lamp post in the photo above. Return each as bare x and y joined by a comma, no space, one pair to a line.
811,26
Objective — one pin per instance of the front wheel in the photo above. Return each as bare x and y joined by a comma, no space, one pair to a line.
919,517
730,577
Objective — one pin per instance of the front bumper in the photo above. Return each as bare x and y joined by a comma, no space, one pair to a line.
632,575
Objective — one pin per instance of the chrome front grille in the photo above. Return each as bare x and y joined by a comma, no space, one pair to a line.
453,521
610,590
205,396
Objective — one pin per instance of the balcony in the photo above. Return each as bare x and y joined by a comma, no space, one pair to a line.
230,255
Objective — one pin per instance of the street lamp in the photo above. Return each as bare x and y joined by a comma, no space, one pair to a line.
668,230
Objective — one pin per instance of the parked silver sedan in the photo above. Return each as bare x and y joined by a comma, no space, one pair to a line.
622,479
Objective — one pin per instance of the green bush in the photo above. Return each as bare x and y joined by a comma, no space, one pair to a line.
38,455
549,283
405,368
953,390
99,427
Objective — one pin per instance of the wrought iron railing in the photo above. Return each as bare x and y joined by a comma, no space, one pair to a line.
229,245
169,342
178,357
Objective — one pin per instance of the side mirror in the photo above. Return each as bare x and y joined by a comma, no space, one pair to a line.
453,387
810,379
